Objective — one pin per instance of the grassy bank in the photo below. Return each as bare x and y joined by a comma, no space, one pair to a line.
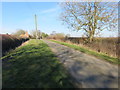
33,66
84,50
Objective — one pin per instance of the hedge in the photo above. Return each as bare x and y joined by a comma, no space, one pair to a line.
10,42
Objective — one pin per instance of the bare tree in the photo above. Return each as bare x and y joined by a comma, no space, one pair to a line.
91,17
38,32
53,33
19,32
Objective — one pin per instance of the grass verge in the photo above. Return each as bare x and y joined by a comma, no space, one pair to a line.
84,50
33,66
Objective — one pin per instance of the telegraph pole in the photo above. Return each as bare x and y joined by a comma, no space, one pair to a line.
36,26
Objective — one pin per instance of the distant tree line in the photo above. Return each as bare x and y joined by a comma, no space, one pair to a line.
19,32
33,34
60,36
38,34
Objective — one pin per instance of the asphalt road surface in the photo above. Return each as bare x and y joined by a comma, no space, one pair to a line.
86,70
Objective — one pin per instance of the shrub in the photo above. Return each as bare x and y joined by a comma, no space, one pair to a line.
59,36
104,45
10,42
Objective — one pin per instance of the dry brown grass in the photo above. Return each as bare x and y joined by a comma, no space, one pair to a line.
107,46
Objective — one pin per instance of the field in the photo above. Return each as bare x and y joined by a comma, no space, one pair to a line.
35,66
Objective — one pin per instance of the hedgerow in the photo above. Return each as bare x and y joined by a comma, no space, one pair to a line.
10,42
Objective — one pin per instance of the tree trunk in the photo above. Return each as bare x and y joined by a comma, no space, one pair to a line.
90,38
91,35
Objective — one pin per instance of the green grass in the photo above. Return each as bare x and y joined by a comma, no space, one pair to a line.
84,50
33,66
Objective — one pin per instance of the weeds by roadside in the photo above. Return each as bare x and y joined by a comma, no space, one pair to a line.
34,66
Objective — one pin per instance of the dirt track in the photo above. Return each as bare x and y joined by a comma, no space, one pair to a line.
87,71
